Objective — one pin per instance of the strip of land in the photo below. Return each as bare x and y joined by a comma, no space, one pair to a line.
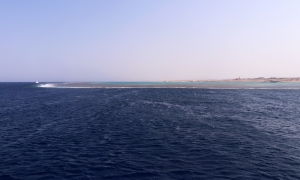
259,79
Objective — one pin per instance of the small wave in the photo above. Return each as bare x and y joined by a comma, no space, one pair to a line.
8,177
46,85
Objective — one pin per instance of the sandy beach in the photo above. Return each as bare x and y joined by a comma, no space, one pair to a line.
259,79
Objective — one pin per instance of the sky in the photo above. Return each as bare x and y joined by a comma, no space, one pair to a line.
148,40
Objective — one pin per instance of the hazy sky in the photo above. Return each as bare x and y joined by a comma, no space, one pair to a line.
148,40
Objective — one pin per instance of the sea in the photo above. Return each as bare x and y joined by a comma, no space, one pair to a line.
150,130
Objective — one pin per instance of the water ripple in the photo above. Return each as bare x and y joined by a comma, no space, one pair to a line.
148,133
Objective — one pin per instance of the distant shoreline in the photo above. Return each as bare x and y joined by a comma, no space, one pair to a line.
259,79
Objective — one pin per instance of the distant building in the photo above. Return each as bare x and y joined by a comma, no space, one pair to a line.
239,78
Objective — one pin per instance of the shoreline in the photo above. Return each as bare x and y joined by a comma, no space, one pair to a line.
260,79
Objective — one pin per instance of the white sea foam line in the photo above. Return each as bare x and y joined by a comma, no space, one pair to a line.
173,88
53,86
47,85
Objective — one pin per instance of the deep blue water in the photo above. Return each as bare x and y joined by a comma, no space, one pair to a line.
148,133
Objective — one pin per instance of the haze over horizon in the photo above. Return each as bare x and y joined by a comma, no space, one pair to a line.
153,40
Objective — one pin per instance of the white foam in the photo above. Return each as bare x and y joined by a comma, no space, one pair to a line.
63,85
47,85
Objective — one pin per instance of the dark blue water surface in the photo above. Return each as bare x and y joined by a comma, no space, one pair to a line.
148,133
